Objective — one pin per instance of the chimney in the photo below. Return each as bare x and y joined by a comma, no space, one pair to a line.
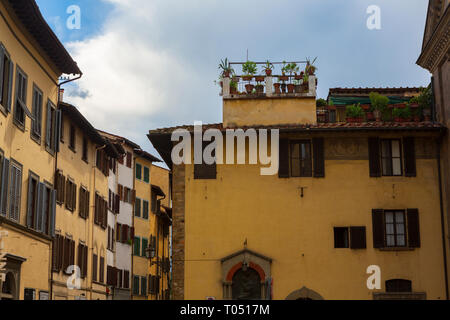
61,95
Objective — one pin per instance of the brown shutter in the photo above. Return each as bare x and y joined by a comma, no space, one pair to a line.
60,252
74,197
105,214
120,189
410,157
118,232
55,251
319,158
374,157
378,228
85,260
358,238
413,228
124,233
133,196
88,199
132,233
80,258
94,267
283,171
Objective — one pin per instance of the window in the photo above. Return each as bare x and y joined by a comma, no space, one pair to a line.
58,253
33,191
129,159
205,171
136,281
36,124
94,267
138,171
341,238
53,129
84,203
350,237
6,80
301,162
82,259
72,138
155,202
15,191
68,254
101,211
71,195
137,246
146,174
391,157
144,247
137,208
20,108
398,285
41,206
143,286
145,209
126,279
395,228
102,269
102,162
60,187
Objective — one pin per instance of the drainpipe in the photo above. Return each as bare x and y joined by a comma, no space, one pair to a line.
56,168
441,197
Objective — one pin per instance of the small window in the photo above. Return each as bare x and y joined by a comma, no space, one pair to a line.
136,281
36,124
301,160
129,159
137,208
33,191
391,157
15,190
94,267
85,149
6,79
395,228
72,140
145,209
138,171
341,238
144,286
398,285
137,246
144,247
146,174
53,127
21,97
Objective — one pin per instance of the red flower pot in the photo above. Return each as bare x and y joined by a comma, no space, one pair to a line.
284,78
249,88
259,79
268,72
370,116
247,78
291,87
277,87
398,119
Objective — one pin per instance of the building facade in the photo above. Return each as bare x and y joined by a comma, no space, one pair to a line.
435,57
346,197
31,63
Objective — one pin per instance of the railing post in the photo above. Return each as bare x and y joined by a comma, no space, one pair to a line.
312,86
269,86
226,87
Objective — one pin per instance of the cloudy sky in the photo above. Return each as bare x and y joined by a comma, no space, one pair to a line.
152,63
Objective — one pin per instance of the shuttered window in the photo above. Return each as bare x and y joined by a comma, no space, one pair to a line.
137,208
60,187
137,246
394,228
72,138
84,156
4,187
319,157
36,123
84,203
94,267
410,156
391,157
300,158
102,269
53,128
146,174
144,247
143,286
358,238
138,171
398,285
6,80
71,195
136,280
20,107
15,191
126,279
56,256
374,157
341,237
82,259
101,211
102,162
32,201
129,159
145,209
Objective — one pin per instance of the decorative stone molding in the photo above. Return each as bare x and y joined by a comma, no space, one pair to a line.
304,294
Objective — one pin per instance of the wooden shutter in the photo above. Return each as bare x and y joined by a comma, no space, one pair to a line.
319,158
10,85
132,233
2,70
410,157
94,267
55,252
374,157
40,207
358,238
133,196
4,185
57,132
124,233
378,228
85,260
81,203
80,258
126,279
52,218
61,245
283,171
105,214
118,232
413,228
30,201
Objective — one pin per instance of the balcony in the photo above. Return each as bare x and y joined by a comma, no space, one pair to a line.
289,82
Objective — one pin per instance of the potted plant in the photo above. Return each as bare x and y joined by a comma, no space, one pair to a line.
397,114
425,100
310,67
305,83
292,69
226,68
277,87
233,87
407,114
284,77
354,113
268,67
249,69
379,104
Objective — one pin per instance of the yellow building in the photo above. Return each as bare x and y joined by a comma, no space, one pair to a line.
151,264
31,61
82,197
346,197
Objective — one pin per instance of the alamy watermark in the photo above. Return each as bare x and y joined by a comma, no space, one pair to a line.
74,20
374,281
213,152
374,19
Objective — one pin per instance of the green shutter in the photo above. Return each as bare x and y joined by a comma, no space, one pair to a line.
137,246
144,246
145,210
137,208
138,171
146,174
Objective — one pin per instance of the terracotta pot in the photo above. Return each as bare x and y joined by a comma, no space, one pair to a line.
298,77
268,72
284,78
398,119
298,88
247,78
370,116
291,88
350,120
249,88
359,120
416,119
283,87
259,78
377,115
277,87
226,74
233,90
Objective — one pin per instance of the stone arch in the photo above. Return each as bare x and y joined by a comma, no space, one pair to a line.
304,294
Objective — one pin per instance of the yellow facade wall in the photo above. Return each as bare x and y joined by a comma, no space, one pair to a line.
268,111
297,233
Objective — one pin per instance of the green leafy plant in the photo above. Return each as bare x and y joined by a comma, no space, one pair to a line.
321,103
425,99
233,85
397,113
310,67
226,68
331,103
249,68
354,111
268,66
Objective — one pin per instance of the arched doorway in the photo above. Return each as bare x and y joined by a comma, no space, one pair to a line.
246,285
304,294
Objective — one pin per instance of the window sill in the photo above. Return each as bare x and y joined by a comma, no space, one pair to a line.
72,149
3,110
19,125
397,249
85,160
36,139
52,153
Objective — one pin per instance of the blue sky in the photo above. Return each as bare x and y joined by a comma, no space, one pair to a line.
151,64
